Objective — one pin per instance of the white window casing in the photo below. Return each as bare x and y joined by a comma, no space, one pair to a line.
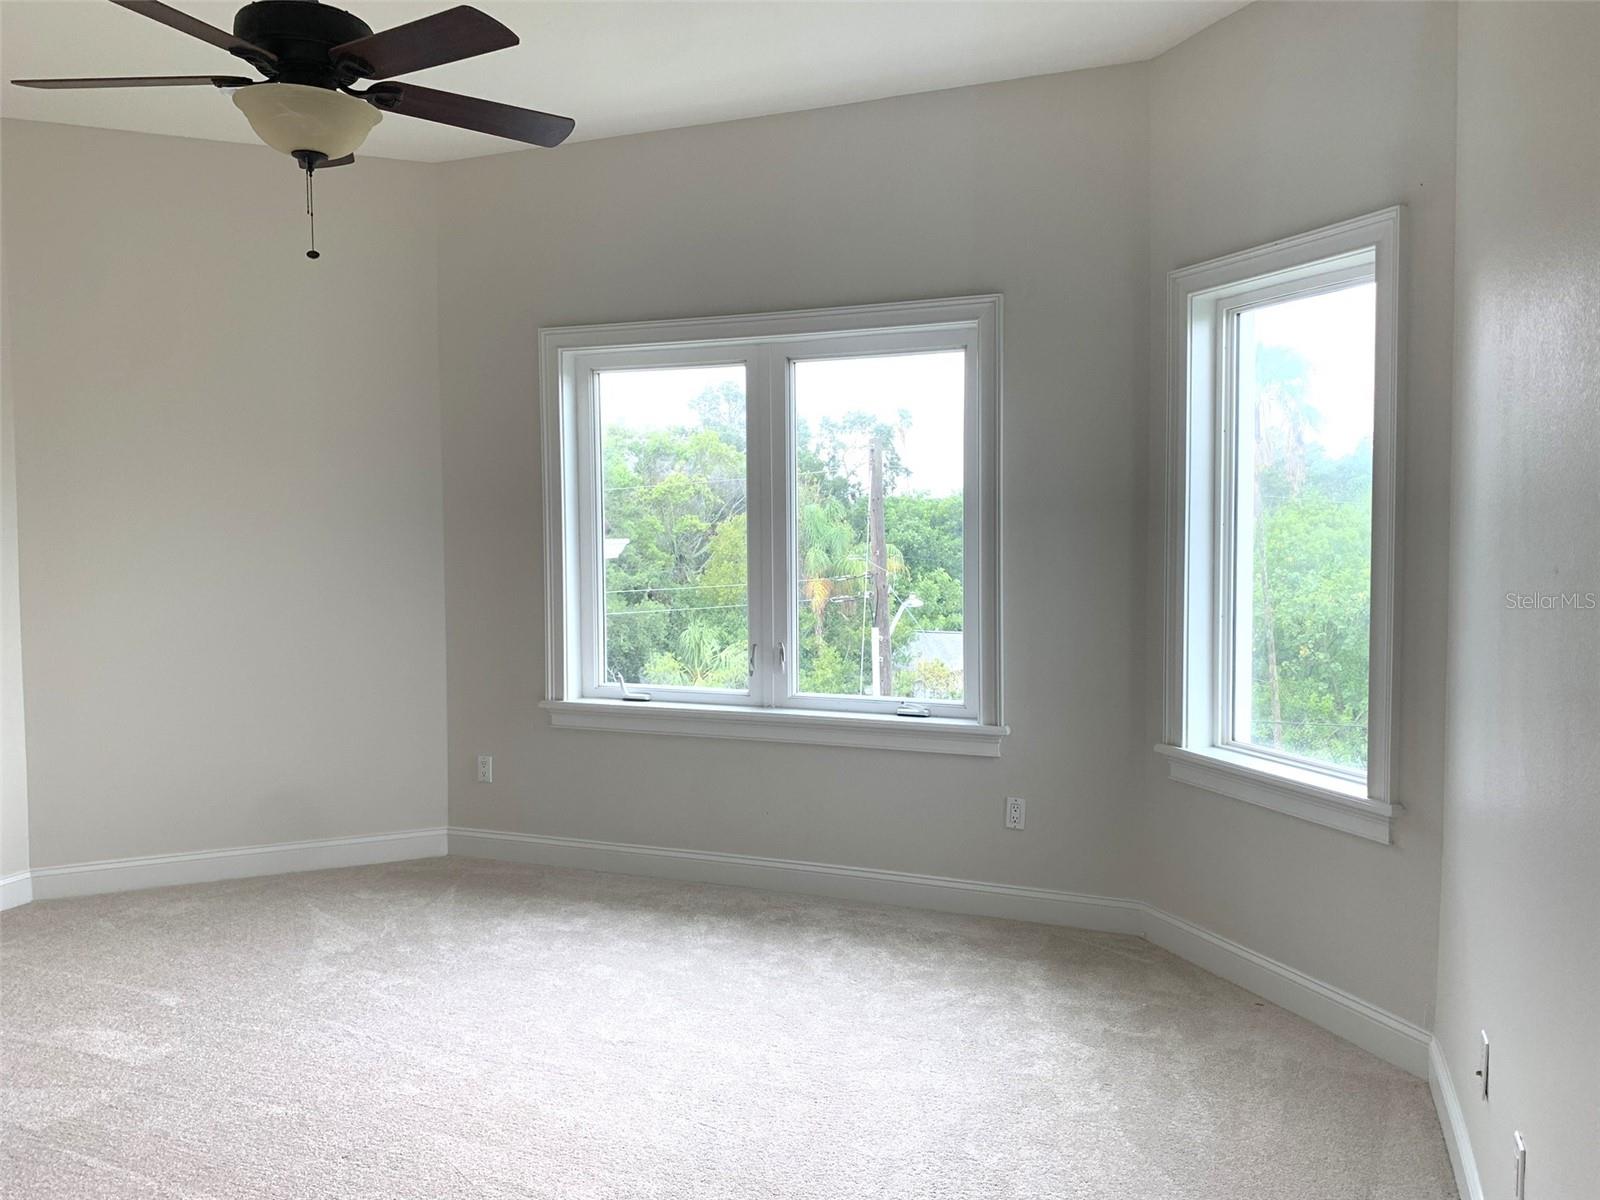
1203,525
767,345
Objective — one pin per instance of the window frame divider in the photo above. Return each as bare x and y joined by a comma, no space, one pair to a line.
765,406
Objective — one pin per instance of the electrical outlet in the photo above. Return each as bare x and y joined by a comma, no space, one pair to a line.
1483,1065
485,768
1016,812
1521,1168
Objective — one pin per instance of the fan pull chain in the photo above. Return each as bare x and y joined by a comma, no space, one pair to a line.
311,211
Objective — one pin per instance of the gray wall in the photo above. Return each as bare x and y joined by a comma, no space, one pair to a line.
1035,189
1520,927
229,485
1276,120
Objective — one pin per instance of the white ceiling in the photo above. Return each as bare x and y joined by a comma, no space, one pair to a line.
616,67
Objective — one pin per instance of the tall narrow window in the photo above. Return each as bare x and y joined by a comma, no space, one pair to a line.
1302,520
1282,485
783,526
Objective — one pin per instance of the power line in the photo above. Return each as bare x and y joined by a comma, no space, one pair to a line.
687,587
634,487
702,587
1316,724
667,612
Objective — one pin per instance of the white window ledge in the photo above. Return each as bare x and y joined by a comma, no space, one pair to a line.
1299,792
934,735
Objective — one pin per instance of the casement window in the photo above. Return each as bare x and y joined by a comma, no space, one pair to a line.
782,527
1281,523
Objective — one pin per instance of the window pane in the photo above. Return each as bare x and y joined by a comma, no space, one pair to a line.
673,484
1303,596
879,445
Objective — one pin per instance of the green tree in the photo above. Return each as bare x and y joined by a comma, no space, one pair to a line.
675,499
677,591
1311,587
703,660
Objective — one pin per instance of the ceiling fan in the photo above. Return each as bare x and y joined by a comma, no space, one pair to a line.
313,54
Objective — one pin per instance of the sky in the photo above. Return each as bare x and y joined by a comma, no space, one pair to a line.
1335,332
928,386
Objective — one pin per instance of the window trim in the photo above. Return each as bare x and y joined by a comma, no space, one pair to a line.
771,710
1200,302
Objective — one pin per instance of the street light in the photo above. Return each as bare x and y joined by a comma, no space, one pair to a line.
911,601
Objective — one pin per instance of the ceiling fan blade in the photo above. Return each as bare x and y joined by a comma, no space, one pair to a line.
449,36
336,162
221,81
468,112
194,27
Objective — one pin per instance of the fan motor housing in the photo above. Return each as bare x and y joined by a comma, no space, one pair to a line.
300,33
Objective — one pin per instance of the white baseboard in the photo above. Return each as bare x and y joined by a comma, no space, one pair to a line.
813,879
16,889
1456,1138
1391,1038
1373,1029
204,866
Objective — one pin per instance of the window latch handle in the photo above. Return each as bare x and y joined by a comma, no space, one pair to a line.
626,694
752,658
783,656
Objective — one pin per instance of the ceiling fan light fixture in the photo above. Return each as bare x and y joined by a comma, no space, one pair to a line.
294,116
316,120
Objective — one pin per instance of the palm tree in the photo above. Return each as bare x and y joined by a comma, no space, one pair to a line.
705,661
1285,420
833,560
830,557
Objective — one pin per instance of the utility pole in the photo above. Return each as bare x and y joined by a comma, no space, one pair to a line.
878,552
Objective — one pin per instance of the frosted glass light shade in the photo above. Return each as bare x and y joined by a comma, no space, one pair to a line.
292,116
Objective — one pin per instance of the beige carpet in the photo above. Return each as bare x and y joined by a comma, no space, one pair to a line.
455,1028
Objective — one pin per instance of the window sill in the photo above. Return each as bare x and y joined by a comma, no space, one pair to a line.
1299,792
933,735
